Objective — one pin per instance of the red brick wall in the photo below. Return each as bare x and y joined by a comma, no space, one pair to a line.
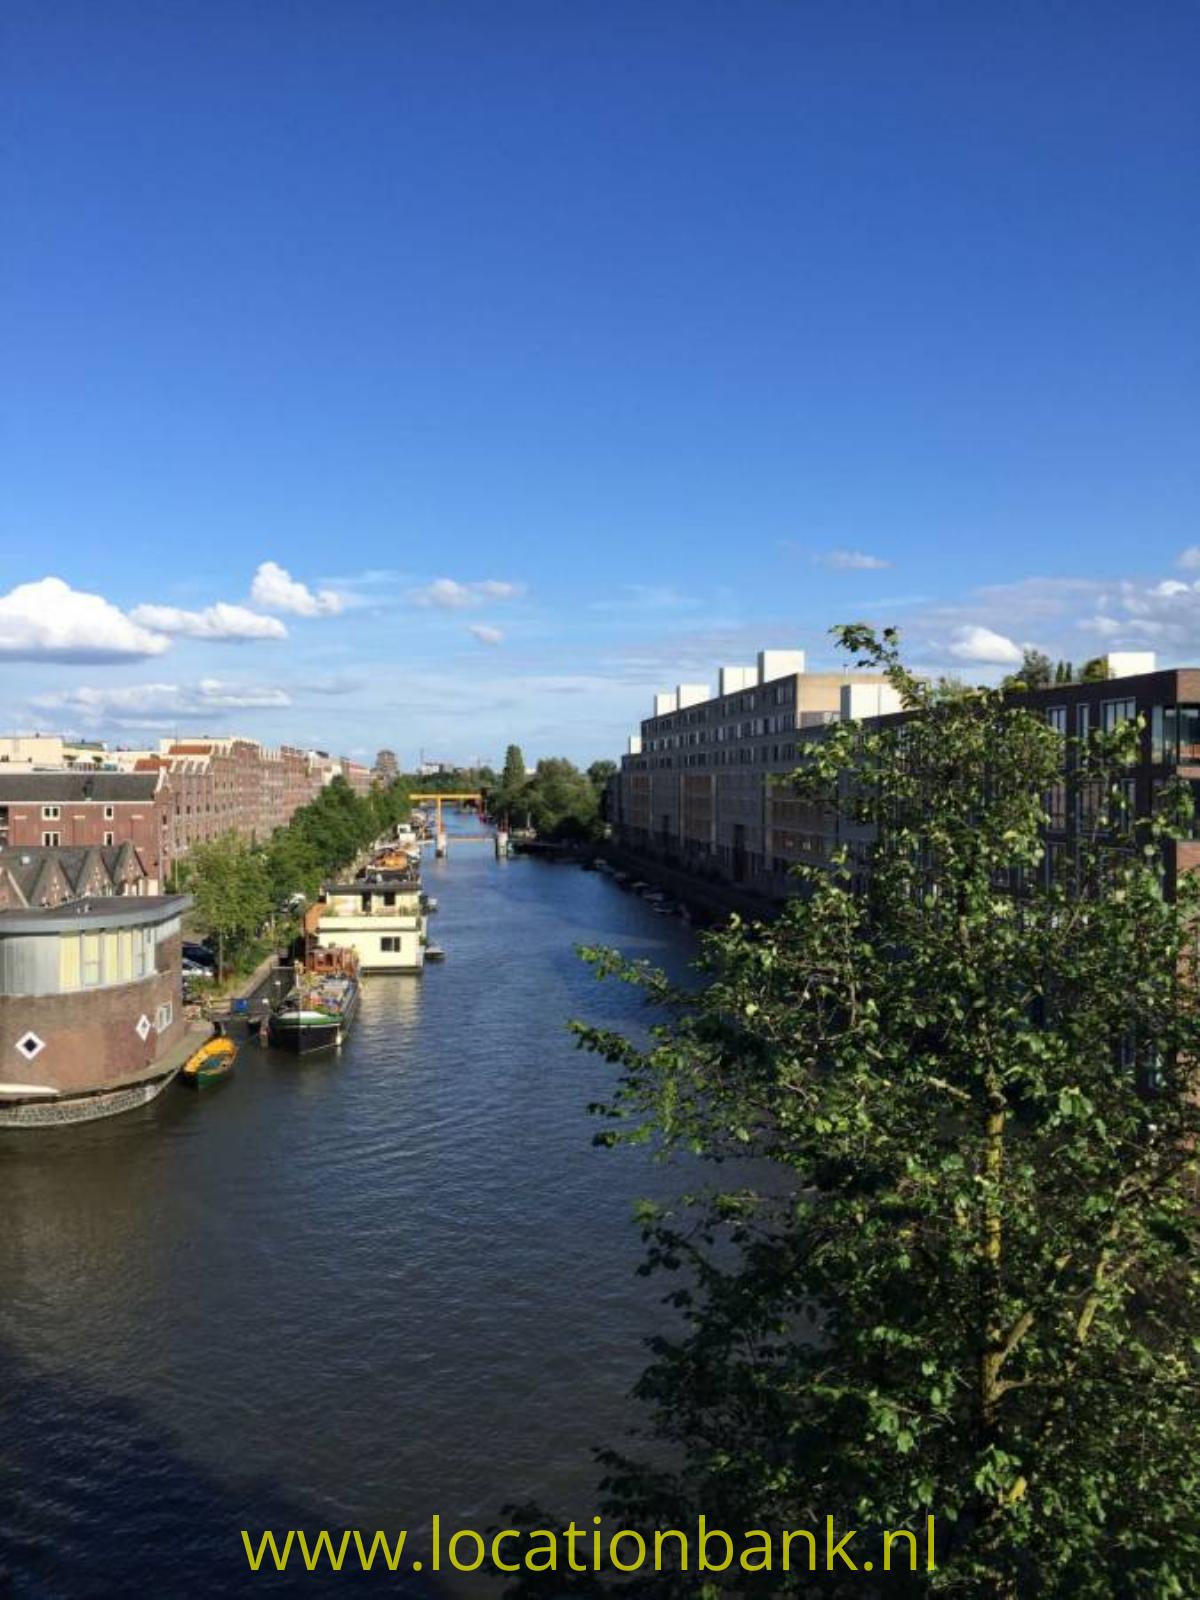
91,1035
143,823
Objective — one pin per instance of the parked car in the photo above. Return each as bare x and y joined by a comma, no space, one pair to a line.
199,954
197,973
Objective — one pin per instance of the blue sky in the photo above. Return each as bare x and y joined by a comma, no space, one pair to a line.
443,374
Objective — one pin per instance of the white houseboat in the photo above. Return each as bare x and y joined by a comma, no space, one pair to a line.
379,916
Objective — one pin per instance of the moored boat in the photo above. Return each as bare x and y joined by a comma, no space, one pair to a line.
212,1063
317,1013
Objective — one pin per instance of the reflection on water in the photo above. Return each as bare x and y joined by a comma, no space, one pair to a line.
367,1287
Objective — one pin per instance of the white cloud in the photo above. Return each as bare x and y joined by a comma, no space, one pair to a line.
148,704
486,634
1189,559
447,594
275,589
977,644
48,620
219,621
851,561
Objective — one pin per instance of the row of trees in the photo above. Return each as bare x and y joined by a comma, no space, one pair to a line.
557,799
243,890
1037,671
947,1262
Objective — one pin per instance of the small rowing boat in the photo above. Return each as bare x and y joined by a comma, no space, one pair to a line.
212,1063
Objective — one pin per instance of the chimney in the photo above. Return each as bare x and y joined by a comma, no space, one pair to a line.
635,744
664,703
691,694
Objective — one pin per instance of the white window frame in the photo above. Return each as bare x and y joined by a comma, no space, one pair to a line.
51,813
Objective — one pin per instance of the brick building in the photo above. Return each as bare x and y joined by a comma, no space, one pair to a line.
36,876
164,801
90,809
91,1016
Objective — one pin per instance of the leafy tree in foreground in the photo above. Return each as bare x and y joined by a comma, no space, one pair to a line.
957,1272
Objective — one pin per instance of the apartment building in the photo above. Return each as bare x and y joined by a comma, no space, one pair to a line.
50,750
358,776
90,810
698,788
162,801
1165,701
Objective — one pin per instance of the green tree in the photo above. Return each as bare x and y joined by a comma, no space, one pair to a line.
1035,671
513,776
562,802
600,772
1094,671
228,883
955,1271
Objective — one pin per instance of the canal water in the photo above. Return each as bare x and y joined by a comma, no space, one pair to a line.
349,1292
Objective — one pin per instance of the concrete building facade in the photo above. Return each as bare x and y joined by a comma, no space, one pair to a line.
699,787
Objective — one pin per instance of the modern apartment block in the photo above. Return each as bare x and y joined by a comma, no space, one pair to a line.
698,787
742,807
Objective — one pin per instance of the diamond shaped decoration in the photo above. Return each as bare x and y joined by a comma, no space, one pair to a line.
143,1027
30,1045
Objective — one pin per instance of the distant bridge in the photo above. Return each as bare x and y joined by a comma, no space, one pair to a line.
451,799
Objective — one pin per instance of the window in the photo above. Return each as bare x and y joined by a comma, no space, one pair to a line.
1056,807
1114,712
51,813
109,813
163,1016
109,837
1188,724
1158,736
51,839
390,945
1083,719
1056,716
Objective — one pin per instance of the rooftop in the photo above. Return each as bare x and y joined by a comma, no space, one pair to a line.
77,786
109,911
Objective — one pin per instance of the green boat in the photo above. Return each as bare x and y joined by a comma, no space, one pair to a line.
212,1063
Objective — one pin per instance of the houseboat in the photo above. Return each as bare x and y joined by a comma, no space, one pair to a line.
378,916
317,1013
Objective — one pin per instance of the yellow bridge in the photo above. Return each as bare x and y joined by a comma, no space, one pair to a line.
455,800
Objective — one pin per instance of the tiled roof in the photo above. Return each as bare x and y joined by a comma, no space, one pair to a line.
73,787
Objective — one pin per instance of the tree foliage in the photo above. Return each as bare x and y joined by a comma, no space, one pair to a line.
227,881
947,1259
1035,671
